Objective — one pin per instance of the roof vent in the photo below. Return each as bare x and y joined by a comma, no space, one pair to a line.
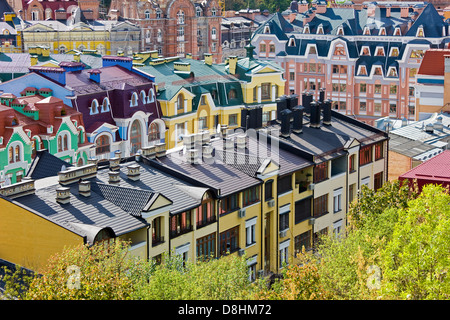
193,156
429,128
241,142
114,177
160,149
84,188
134,172
63,195
207,150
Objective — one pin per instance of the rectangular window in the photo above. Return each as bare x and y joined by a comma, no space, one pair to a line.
365,155
377,88
250,195
268,190
351,192
229,241
271,48
379,151
233,119
250,232
262,47
302,210
265,90
321,205
291,76
229,204
378,180
362,87
393,108
312,67
393,89
362,106
335,68
203,123
321,172
377,107
284,184
337,200
205,213
284,221
180,223
302,242
206,246
157,232
352,163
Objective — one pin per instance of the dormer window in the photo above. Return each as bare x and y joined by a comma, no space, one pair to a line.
378,71
420,33
340,31
134,100
306,29
105,105
339,50
362,71
366,31
291,42
397,31
392,72
266,29
94,107
365,51
382,31
312,49
320,29
379,51
394,52
158,14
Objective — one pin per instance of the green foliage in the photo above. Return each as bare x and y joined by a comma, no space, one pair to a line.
216,279
416,260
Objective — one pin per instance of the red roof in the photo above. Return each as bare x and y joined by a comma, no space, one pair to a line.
436,169
433,62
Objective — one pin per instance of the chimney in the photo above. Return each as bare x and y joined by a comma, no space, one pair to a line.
224,131
208,59
297,115
193,156
388,10
429,128
94,75
63,195
228,144
160,150
19,189
306,101
114,177
188,55
438,125
149,152
134,172
314,119
189,141
114,163
183,67
285,123
33,59
292,101
322,94
241,142
404,11
207,150
206,137
281,105
232,63
326,112
84,188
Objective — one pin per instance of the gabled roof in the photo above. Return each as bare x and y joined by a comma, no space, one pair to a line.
433,62
46,165
431,22
436,169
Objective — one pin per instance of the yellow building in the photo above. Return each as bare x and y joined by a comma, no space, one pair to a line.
198,95
77,33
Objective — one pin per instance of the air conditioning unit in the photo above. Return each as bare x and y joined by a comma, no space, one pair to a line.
241,252
283,233
312,221
311,186
271,203
241,213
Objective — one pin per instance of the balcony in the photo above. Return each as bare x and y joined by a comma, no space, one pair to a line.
157,240
208,221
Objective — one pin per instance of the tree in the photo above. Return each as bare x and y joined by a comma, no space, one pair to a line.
103,271
416,260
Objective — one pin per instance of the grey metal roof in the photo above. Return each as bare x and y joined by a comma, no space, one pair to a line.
157,181
406,146
45,165
94,210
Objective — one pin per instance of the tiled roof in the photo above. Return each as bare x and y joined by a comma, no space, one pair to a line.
436,169
433,62
45,165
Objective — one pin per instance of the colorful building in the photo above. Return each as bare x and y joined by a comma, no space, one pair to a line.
175,28
366,55
200,95
36,120
10,37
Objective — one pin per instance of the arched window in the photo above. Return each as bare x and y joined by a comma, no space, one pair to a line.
147,14
180,17
153,132
66,142
63,142
213,12
11,158
134,100
94,107
105,105
205,213
102,145
60,148
62,49
142,93
158,14
34,15
198,12
17,153
151,96
48,14
135,136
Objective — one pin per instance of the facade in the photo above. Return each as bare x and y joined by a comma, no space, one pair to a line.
82,33
432,83
199,95
174,28
10,38
36,120
365,55
117,103
433,171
